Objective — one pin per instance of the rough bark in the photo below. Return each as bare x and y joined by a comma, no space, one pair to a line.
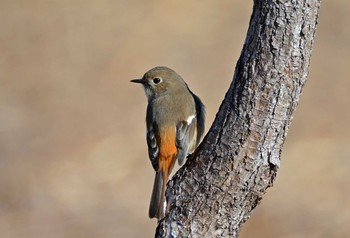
224,180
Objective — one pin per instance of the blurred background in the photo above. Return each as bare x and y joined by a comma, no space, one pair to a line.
73,156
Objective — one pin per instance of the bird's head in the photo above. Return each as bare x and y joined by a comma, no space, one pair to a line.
159,81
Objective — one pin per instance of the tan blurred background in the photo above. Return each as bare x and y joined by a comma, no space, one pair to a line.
73,158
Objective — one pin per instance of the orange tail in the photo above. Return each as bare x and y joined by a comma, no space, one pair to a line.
156,207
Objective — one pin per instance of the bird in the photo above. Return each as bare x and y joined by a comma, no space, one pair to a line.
175,119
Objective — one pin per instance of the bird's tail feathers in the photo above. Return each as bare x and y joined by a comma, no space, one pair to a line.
156,207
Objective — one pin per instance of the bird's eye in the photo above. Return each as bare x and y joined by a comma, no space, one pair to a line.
157,80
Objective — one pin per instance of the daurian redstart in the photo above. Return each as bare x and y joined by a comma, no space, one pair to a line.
175,125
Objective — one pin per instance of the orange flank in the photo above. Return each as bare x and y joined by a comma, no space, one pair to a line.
167,149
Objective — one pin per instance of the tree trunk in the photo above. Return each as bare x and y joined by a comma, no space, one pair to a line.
224,180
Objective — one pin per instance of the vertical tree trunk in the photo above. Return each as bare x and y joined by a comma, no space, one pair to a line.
224,180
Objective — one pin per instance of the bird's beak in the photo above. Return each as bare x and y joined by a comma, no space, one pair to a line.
137,81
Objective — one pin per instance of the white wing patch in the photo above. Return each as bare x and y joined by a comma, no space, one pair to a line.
190,119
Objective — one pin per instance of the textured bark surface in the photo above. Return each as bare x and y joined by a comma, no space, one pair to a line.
224,180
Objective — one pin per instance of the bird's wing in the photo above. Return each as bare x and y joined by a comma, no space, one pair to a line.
185,131
151,135
153,148
200,115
